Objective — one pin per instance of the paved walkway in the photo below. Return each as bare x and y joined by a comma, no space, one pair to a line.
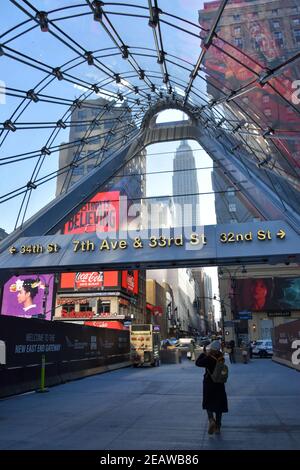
157,408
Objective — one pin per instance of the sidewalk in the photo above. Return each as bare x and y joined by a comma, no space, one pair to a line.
157,408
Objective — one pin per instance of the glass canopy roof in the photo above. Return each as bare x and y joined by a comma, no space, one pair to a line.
236,63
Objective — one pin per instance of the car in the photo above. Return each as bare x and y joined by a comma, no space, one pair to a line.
185,344
262,348
204,341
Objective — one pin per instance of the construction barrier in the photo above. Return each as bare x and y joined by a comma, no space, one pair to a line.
36,354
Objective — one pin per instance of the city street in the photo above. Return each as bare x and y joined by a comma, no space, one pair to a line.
157,408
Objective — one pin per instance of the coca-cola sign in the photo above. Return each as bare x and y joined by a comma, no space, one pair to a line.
88,280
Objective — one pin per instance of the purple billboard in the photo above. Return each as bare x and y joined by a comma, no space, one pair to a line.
28,296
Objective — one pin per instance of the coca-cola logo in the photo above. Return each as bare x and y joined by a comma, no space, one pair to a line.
89,279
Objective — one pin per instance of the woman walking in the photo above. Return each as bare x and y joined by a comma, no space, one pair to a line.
214,394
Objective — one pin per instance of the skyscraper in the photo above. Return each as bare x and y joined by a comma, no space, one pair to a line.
185,186
101,126
115,295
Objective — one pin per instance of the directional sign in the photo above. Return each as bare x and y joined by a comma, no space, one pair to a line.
280,234
245,315
259,242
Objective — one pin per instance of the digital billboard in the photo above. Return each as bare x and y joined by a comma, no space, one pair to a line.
99,214
89,280
130,281
267,294
28,296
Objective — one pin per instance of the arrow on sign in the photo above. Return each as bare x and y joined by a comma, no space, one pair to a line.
280,234
13,250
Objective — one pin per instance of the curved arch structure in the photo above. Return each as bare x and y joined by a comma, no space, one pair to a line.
150,60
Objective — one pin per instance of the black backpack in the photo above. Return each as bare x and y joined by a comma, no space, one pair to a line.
220,373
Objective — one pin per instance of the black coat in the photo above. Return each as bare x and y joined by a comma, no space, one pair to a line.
214,394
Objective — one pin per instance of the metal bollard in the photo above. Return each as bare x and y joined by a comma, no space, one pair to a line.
43,375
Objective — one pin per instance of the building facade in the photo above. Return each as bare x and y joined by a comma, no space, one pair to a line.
102,297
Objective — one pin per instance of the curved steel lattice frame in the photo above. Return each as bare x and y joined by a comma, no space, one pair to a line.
238,138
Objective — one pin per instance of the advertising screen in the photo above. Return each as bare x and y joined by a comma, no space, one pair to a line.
100,214
130,280
28,296
267,294
89,280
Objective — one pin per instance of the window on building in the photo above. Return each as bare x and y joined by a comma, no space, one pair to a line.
103,307
267,112
231,191
67,308
238,42
81,115
278,38
266,99
232,207
78,171
297,36
275,11
276,24
296,21
81,128
237,17
85,307
237,30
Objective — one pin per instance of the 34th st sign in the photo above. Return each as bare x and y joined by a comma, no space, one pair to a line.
259,242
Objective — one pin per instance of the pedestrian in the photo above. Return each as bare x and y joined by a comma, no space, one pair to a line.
214,393
231,351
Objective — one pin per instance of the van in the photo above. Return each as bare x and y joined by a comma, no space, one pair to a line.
263,348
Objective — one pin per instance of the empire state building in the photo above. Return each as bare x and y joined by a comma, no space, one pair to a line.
185,183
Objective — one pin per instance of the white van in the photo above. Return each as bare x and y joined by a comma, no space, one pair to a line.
263,348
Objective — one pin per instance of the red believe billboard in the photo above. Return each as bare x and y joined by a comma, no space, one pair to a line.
101,214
